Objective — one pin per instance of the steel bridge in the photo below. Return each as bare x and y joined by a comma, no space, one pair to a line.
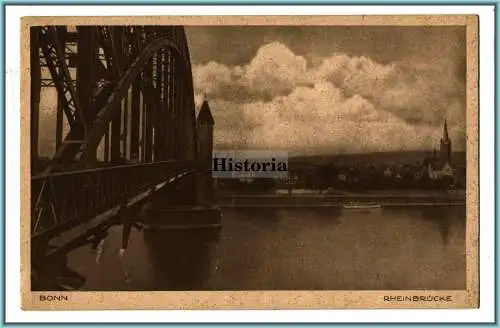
125,130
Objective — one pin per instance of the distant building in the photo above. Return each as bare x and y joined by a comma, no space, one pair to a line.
418,175
445,147
445,171
442,167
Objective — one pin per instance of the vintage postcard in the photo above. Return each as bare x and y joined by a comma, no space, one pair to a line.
257,162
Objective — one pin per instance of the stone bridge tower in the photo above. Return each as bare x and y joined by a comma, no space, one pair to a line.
205,132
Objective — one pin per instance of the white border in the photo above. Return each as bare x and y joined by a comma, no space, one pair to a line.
487,95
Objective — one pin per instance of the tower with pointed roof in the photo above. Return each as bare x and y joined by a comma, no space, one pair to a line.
445,147
205,133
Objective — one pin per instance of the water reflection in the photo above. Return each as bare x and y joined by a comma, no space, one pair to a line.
180,260
292,249
441,217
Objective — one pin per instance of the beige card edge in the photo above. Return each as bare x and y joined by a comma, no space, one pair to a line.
260,299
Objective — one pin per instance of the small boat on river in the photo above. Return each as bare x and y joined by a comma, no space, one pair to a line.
361,206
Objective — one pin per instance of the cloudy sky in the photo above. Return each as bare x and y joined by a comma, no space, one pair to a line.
331,89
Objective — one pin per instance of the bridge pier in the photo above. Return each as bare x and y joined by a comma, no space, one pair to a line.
179,206
187,203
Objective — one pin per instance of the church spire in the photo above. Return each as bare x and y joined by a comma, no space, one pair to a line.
445,147
445,131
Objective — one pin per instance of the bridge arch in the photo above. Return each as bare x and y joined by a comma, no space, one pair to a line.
146,107
146,66
106,113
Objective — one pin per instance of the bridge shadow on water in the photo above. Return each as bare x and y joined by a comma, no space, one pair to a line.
180,260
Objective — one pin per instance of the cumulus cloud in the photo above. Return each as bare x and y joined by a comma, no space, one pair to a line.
339,103
343,104
275,70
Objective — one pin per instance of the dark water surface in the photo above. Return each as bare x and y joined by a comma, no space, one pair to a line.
284,249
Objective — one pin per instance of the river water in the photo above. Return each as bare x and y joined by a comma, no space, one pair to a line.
290,249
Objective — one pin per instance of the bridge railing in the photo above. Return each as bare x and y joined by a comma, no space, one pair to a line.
59,201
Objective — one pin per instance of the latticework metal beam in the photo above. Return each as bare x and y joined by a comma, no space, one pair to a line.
125,88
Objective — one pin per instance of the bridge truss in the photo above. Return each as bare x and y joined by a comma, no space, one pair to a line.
124,125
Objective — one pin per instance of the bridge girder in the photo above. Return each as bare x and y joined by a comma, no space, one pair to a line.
125,119
124,58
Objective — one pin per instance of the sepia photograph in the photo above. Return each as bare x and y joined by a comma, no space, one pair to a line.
271,155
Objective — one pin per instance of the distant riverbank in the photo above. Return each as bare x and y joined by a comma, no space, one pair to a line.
305,199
